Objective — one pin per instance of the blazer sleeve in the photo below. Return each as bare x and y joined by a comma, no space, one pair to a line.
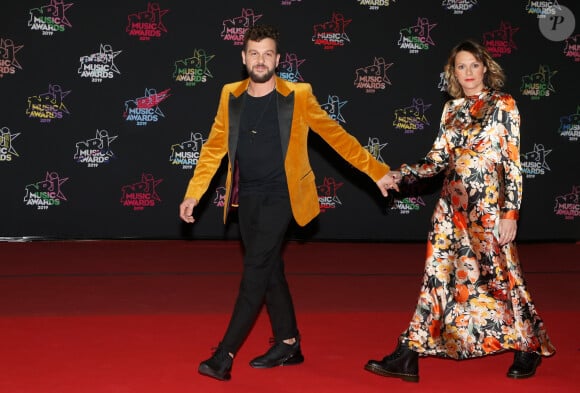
212,152
345,144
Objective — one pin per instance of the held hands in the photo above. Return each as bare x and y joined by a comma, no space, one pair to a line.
389,182
186,210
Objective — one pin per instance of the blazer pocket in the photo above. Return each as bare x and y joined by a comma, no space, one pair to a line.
307,174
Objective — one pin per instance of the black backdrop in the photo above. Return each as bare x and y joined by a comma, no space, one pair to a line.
104,104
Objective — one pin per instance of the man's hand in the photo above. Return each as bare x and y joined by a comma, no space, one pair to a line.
186,210
389,182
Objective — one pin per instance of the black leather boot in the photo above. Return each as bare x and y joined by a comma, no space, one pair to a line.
280,354
402,363
219,366
524,365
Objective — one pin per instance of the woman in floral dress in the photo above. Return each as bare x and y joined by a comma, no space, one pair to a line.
473,301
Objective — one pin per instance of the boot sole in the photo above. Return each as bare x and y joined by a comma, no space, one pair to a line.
291,361
209,372
384,373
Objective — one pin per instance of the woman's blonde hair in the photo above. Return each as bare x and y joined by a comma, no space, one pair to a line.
494,77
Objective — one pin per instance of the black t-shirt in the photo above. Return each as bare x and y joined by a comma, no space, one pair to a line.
259,150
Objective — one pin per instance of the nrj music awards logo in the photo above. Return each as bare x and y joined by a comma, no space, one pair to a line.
332,33
501,41
95,151
141,194
147,24
570,125
534,162
418,37
542,8
375,4
219,199
8,62
288,68
145,110
538,84
373,77
48,106
408,205
458,6
568,205
186,153
7,151
327,194
374,146
100,65
333,107
235,28
193,70
50,18
46,193
412,118
572,47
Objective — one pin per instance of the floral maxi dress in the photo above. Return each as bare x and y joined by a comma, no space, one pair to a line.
473,300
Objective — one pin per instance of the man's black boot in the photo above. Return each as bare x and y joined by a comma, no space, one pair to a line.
219,366
279,354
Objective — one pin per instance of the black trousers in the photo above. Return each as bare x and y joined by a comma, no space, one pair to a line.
263,222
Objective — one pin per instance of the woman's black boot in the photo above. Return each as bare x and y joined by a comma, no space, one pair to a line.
402,363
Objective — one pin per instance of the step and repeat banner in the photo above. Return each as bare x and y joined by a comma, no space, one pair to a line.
105,106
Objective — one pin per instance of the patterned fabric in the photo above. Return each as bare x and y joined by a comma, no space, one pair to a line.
473,300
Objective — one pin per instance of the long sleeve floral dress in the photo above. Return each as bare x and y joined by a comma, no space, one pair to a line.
473,300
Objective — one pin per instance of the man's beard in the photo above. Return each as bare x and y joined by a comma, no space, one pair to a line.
261,78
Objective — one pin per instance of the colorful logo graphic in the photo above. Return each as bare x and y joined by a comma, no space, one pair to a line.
48,106
8,62
374,146
147,24
568,205
327,194
50,18
219,199
375,4
145,110
572,47
187,153
570,125
333,107
408,205
99,66
141,194
95,151
46,193
458,6
373,77
501,41
418,37
193,70
288,68
542,8
534,162
7,151
235,28
539,84
412,118
332,33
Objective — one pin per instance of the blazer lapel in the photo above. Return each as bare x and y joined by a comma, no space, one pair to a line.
285,110
235,110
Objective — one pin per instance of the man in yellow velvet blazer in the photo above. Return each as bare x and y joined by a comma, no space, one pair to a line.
262,125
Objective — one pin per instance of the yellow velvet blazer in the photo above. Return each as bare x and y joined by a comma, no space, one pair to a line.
298,112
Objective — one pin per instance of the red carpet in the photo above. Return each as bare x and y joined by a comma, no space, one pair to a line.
139,316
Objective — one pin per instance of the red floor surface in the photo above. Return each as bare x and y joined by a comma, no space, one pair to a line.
139,316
